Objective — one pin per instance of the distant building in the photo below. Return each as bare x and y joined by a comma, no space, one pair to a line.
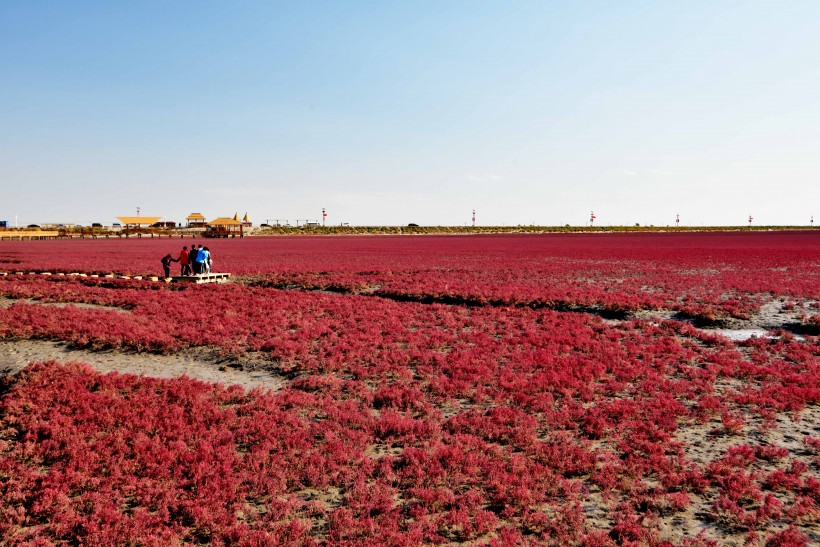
246,222
196,220
136,222
58,224
224,227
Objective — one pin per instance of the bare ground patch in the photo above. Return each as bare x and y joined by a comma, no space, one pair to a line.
772,316
5,302
201,364
708,442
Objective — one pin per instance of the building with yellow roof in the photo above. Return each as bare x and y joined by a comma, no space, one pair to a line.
224,227
136,222
196,220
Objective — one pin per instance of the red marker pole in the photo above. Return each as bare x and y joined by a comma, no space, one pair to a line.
324,216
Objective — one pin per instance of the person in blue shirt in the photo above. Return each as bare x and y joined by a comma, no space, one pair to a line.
207,262
200,260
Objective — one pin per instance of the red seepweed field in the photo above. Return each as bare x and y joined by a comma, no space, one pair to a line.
582,389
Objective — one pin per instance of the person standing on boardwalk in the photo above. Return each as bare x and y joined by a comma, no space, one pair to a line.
199,267
166,264
192,260
208,260
185,267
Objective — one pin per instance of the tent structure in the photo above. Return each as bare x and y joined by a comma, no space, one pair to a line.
245,220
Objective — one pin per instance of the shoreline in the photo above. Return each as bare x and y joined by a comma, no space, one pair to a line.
280,231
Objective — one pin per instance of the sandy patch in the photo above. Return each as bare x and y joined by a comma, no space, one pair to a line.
5,302
705,443
201,364
772,316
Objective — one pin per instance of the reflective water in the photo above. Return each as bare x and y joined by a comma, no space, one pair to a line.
743,334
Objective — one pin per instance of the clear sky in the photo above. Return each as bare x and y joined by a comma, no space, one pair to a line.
420,111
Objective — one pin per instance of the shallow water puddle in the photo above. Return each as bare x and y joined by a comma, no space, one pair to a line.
742,334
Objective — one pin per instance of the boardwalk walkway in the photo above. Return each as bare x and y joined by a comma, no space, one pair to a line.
28,234
202,278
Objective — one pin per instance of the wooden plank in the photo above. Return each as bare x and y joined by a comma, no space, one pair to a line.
28,234
202,278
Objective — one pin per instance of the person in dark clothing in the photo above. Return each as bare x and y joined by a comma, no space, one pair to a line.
192,259
166,264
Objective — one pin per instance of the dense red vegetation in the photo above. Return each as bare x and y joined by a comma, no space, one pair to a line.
407,423
703,275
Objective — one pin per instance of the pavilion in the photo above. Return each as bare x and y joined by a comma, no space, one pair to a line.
196,220
137,222
224,227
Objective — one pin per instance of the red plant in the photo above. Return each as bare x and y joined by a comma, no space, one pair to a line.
453,393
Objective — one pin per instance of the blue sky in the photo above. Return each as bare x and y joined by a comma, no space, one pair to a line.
396,112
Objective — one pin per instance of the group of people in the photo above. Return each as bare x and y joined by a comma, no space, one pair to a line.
196,261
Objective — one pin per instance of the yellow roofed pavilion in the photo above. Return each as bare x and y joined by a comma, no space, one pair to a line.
138,221
223,227
224,221
195,220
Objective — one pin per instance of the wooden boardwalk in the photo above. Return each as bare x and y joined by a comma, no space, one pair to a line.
28,234
202,278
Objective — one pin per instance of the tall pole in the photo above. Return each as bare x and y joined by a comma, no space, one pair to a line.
677,220
750,221
138,211
811,221
473,218
324,216
592,218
